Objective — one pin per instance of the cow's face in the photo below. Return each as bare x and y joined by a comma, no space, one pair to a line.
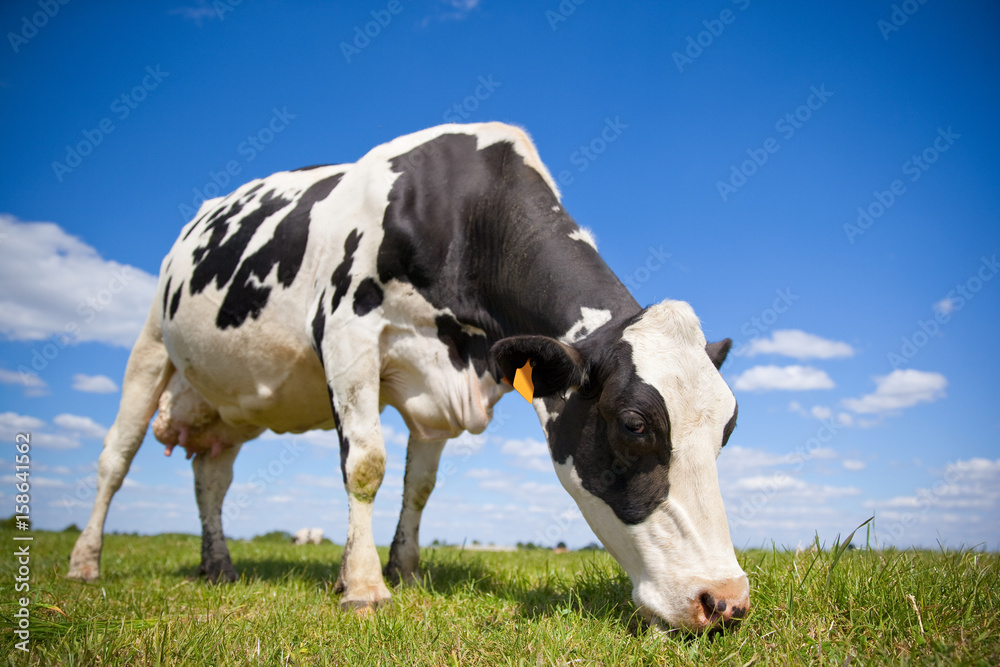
635,419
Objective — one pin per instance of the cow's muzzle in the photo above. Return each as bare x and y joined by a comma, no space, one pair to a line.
722,604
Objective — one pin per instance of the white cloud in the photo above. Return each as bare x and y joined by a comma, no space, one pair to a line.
798,344
900,389
12,423
316,438
82,426
54,440
394,437
529,454
33,385
56,470
945,306
962,506
57,285
535,490
737,458
821,412
853,464
823,453
464,445
196,14
451,10
785,378
71,429
788,487
496,484
326,482
94,384
737,462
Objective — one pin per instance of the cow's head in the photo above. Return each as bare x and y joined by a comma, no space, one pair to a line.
635,417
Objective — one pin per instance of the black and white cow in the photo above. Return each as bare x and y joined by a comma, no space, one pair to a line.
421,277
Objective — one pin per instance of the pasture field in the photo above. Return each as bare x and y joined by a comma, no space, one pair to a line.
491,608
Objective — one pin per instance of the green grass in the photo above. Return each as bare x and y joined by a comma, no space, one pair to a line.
488,608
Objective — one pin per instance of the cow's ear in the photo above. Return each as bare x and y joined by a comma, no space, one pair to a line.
718,352
555,366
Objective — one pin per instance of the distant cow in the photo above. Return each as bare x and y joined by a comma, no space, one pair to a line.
423,276
307,536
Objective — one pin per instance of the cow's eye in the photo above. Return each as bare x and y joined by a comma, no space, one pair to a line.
633,423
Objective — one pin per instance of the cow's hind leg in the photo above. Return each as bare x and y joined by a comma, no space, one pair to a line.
146,375
421,474
212,477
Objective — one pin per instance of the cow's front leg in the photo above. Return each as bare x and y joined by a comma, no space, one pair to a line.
212,477
362,457
355,397
421,475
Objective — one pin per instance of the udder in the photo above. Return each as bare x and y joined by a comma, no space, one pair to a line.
187,420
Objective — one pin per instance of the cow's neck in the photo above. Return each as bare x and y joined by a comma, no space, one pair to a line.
547,280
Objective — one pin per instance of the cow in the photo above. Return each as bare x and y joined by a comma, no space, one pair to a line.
307,536
430,275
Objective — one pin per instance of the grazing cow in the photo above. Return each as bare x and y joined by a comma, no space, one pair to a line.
421,277
307,536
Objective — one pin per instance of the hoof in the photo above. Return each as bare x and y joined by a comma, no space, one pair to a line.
401,576
219,573
364,607
85,573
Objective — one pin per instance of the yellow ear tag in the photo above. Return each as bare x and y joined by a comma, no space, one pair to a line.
522,382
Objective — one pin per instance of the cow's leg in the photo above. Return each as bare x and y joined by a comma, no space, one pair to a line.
363,464
354,390
146,375
421,474
212,477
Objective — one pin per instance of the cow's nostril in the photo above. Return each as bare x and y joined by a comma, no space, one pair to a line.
709,605
720,606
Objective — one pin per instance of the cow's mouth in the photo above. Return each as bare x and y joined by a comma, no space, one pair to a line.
712,624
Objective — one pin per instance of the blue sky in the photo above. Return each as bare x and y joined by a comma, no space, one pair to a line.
818,181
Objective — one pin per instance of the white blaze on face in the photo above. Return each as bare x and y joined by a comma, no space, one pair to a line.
684,545
683,549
